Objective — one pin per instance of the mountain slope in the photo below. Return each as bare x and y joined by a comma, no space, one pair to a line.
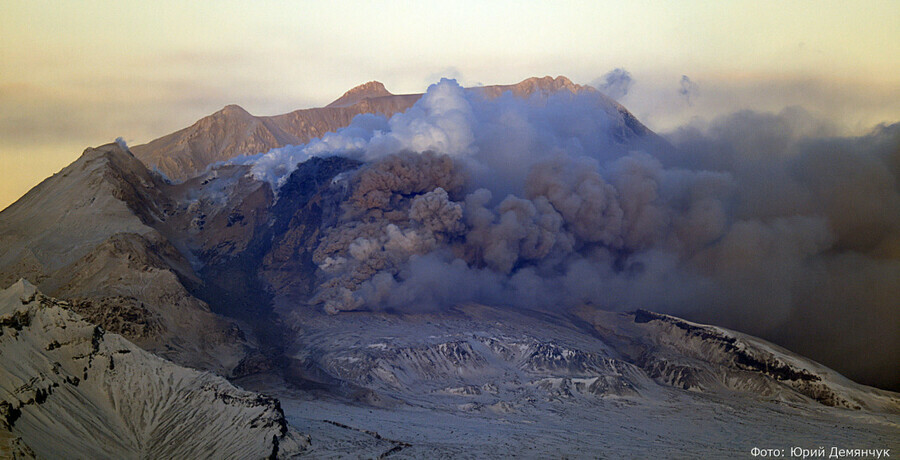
226,132
495,382
232,131
93,233
512,358
69,387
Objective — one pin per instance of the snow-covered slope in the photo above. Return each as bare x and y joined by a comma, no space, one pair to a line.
707,358
98,232
477,381
69,388
509,358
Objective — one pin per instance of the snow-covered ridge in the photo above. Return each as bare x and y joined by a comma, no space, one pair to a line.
732,355
523,361
67,387
99,233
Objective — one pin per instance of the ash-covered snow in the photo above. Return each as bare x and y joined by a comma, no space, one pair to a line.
490,382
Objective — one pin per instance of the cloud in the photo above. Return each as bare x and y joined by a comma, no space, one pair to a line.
447,72
812,253
851,104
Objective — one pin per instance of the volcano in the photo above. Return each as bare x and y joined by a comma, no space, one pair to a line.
453,273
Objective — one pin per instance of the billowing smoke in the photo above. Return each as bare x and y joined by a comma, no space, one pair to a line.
615,83
761,222
687,89
811,257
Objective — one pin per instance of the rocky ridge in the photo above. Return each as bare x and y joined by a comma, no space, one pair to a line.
98,233
98,395
232,131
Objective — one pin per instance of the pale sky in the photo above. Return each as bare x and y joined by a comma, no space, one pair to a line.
79,74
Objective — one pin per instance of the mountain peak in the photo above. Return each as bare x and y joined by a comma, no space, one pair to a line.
358,93
233,110
548,83
21,289
535,85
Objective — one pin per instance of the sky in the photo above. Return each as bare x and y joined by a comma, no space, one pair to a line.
79,74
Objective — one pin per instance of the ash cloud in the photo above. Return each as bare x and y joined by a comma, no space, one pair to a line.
811,259
767,223
615,83
688,89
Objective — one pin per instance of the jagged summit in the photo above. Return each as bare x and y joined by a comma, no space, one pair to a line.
529,86
561,81
364,91
548,82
